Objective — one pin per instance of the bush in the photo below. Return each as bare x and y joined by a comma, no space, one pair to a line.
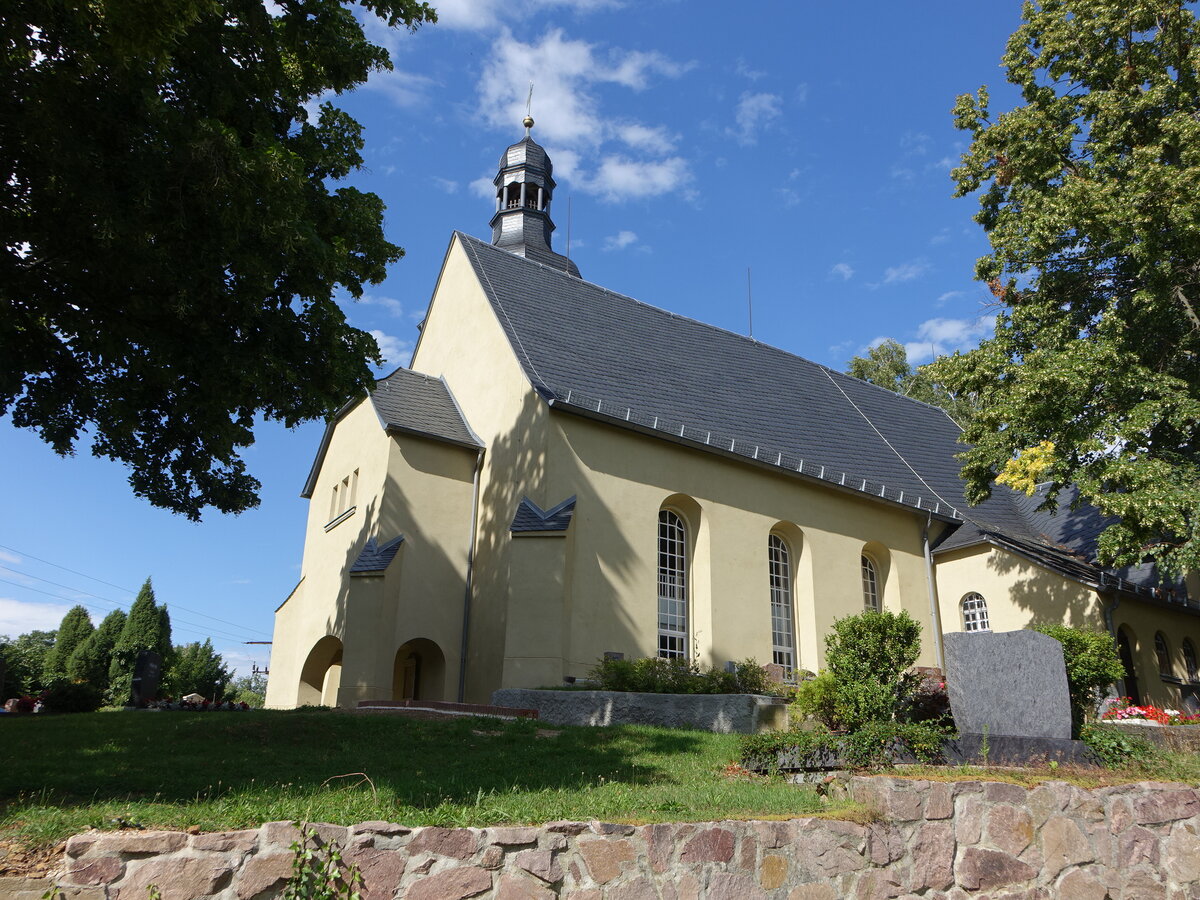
1114,748
1092,666
869,656
818,699
654,675
72,697
876,744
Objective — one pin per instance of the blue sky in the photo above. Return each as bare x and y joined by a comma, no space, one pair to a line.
809,142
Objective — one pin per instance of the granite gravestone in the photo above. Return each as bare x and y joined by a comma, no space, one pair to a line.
1010,684
147,672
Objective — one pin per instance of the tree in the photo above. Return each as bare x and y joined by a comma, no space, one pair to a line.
869,656
250,689
172,243
886,364
1089,198
197,668
25,662
1093,665
91,660
143,630
75,628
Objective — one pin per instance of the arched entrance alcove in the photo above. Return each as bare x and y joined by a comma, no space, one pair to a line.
322,674
420,671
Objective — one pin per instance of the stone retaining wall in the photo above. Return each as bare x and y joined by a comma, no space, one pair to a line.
934,840
722,713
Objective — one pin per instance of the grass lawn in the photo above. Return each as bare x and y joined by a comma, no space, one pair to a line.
222,770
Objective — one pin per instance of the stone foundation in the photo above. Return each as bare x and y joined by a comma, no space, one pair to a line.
934,840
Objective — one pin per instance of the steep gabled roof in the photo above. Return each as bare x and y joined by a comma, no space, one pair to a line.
597,353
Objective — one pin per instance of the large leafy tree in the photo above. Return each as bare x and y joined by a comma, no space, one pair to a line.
25,662
91,660
198,668
886,364
172,235
1090,195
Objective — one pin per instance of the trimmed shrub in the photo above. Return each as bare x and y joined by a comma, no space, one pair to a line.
654,675
72,697
869,656
1093,664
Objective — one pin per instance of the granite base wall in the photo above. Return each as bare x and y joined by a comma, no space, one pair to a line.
722,713
934,840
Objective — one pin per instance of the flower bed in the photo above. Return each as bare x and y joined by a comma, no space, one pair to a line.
1124,710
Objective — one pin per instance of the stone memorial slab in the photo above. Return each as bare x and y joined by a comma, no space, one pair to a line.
147,673
1008,684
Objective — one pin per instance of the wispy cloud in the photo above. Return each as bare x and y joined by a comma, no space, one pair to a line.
390,304
394,350
10,558
620,240
945,298
754,114
905,271
743,69
842,270
915,143
643,137
479,15
447,185
938,337
21,616
621,178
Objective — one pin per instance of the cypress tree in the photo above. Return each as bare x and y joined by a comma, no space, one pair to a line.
142,631
91,659
75,628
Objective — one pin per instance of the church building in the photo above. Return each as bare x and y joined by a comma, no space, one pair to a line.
566,472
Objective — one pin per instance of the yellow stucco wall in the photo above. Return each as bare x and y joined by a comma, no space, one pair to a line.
1019,593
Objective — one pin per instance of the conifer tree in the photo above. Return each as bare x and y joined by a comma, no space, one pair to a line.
197,668
142,631
76,627
91,659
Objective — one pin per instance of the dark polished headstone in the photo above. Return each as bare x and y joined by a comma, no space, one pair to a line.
147,673
1009,684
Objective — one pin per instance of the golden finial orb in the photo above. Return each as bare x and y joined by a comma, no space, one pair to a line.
527,122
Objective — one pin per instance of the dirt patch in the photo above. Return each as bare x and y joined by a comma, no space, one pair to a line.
31,862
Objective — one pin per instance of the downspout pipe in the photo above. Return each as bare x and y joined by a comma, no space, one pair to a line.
466,614
935,617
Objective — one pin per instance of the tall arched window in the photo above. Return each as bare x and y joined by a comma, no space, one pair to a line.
870,583
783,641
975,613
1189,661
672,585
1163,655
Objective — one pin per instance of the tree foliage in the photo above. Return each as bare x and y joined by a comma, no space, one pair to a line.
1090,196
75,628
172,242
25,662
869,656
197,668
886,364
1093,665
146,628
90,662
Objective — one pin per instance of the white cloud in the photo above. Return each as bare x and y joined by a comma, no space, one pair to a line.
843,270
242,660
406,89
20,616
915,143
945,298
391,304
906,271
801,92
754,113
477,15
743,69
620,178
645,138
484,186
944,163
391,348
450,187
10,558
620,240
938,337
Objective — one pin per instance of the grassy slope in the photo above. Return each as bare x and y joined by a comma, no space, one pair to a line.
63,774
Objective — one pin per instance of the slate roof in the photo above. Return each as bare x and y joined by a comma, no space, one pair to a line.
376,557
419,404
598,353
531,518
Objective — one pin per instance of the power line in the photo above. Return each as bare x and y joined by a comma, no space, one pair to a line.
114,603
120,588
184,627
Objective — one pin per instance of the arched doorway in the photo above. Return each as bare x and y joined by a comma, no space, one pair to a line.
419,672
321,675
1125,650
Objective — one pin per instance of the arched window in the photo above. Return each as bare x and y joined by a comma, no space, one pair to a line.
1163,655
672,585
870,584
975,613
783,642
1189,661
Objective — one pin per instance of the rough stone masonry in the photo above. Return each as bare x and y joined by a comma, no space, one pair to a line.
932,840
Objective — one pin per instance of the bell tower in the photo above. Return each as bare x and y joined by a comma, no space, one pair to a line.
524,187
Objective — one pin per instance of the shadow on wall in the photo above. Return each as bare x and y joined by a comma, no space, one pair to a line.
1046,595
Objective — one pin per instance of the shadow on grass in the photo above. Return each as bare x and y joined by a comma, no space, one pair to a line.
178,757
